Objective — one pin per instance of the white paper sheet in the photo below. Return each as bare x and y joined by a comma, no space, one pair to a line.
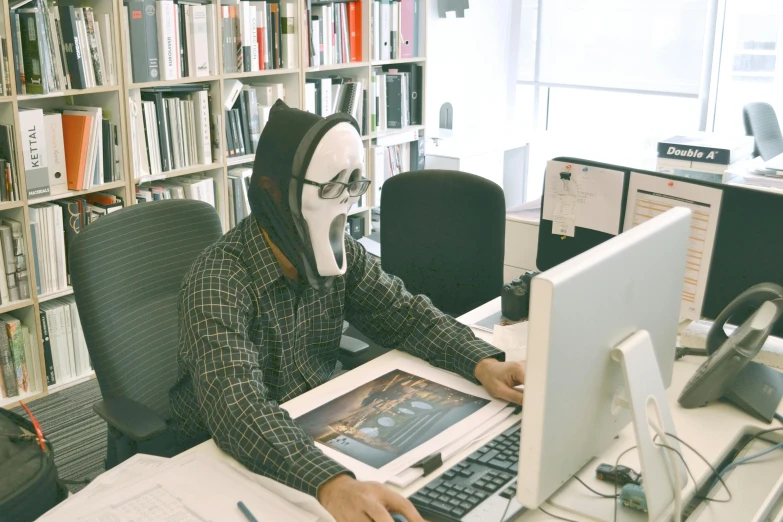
187,489
649,196
512,339
208,451
581,196
383,365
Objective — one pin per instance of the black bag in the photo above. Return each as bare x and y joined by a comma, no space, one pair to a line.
28,477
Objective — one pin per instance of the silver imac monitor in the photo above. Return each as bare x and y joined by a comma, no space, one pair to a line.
580,387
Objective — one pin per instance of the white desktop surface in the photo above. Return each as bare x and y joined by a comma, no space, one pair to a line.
711,430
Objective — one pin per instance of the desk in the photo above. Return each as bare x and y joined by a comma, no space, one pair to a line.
712,430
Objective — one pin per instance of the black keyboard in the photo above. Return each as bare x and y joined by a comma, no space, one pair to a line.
482,487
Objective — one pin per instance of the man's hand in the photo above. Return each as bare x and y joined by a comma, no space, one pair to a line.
349,500
499,378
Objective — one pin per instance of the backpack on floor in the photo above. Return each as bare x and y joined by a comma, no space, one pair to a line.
28,477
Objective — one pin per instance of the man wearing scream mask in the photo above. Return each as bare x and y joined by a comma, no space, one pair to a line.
261,314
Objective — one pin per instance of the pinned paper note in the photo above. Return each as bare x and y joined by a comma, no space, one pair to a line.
564,221
582,196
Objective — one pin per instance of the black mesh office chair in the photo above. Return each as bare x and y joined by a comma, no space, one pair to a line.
126,271
762,123
443,233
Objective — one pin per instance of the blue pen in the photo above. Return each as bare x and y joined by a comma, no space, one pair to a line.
246,511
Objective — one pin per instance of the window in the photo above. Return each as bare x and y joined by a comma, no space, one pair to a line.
750,61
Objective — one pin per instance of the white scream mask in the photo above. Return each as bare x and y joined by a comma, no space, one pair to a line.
339,156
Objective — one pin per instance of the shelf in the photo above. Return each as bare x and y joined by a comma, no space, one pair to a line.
73,382
55,295
399,61
254,74
7,205
72,193
69,92
15,305
240,160
392,132
13,402
337,67
7,99
178,81
176,173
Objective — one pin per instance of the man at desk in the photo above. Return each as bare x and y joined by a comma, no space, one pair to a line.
261,314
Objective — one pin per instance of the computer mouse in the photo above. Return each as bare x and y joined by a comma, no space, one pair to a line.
398,517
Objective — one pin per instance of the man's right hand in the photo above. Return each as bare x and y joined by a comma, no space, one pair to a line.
349,500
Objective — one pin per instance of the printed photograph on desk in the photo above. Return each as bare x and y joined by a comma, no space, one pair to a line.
388,416
383,417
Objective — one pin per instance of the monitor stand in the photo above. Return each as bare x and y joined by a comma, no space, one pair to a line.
648,406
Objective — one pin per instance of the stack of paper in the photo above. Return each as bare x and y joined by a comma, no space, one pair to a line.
196,486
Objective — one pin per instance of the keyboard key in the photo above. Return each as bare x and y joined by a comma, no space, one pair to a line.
433,494
462,496
449,475
454,502
441,489
420,499
481,495
459,487
473,457
506,494
502,464
475,499
442,506
466,505
488,456
444,498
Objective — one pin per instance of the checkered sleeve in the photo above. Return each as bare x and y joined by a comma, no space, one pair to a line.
378,304
215,311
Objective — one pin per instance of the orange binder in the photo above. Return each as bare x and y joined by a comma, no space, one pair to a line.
76,139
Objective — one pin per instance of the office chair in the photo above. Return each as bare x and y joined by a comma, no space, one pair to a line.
443,234
126,272
762,123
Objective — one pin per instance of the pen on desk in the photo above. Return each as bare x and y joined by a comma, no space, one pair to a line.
246,512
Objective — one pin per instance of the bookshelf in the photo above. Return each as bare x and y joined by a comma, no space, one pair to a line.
115,100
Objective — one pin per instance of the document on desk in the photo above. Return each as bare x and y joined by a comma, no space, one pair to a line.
186,489
649,196
582,196
387,415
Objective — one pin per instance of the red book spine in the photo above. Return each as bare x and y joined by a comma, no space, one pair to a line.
355,30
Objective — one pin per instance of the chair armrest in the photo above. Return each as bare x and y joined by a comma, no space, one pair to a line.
351,346
130,418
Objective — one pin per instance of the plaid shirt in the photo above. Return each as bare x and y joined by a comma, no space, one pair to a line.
250,341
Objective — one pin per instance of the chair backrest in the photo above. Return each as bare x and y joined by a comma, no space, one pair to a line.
762,123
126,272
443,233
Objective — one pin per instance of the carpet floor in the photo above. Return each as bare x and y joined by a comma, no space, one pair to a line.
77,434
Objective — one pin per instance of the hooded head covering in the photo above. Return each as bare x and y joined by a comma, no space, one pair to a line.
288,150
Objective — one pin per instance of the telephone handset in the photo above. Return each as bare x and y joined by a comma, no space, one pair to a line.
729,370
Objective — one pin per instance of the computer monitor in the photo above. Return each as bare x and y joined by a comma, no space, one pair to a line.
603,327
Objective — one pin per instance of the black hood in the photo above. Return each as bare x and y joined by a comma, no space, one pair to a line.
284,152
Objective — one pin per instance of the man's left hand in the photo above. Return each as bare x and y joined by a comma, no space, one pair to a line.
499,378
